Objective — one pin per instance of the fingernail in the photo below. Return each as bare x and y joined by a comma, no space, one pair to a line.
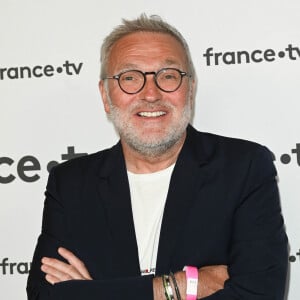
48,278
45,259
43,268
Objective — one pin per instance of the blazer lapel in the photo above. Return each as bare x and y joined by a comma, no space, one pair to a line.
190,174
115,195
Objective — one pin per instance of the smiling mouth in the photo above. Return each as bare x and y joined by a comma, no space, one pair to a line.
151,114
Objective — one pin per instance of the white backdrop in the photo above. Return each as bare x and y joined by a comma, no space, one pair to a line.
50,106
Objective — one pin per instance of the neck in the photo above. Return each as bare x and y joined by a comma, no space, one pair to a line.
142,164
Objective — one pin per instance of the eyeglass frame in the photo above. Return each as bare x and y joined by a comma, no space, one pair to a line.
118,76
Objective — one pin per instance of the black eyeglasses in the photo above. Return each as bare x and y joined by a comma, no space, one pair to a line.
133,81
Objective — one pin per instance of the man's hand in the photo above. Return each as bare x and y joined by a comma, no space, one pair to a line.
58,271
211,279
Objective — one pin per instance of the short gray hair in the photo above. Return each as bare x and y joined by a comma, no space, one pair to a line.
143,23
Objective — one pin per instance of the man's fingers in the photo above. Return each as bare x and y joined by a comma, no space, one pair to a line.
52,279
59,269
74,261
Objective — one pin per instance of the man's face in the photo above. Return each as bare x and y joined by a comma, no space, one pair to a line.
152,120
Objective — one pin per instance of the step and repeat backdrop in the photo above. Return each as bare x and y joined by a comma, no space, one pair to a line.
247,57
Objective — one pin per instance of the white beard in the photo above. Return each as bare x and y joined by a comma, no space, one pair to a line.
150,146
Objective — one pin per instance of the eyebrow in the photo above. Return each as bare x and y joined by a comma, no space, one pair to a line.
169,62
131,66
128,66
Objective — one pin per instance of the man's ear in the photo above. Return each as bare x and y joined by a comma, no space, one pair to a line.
104,96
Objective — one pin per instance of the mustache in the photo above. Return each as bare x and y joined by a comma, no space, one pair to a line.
158,105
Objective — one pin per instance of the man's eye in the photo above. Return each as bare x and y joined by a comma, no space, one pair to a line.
169,76
128,78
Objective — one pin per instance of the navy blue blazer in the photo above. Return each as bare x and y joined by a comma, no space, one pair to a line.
222,208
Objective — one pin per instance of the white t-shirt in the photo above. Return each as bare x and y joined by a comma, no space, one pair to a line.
148,197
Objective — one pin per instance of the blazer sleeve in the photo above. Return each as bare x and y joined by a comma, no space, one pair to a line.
258,251
54,235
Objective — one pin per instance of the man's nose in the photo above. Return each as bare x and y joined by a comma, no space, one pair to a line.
150,92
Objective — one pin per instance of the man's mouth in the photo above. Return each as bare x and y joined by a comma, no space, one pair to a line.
151,114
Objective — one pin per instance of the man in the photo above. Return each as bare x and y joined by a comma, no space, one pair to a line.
165,197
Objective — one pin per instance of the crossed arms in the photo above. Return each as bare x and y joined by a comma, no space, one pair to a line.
56,271
256,247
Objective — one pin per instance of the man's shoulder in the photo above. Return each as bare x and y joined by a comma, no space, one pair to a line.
89,163
228,142
230,147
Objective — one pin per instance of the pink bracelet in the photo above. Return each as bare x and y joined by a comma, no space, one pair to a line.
191,282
